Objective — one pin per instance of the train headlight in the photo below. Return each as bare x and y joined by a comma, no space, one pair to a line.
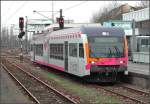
92,62
121,62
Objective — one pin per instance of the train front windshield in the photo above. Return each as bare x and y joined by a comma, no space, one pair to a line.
106,47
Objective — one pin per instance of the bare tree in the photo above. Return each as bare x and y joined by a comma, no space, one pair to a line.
95,17
8,38
103,14
4,37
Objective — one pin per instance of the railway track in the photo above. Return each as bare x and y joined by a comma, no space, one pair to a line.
27,91
146,93
135,95
40,92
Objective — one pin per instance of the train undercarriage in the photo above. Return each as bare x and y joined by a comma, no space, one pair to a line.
105,74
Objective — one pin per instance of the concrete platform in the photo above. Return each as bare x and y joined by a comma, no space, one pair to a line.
139,68
9,91
138,74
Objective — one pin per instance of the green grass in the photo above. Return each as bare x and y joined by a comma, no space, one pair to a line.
90,94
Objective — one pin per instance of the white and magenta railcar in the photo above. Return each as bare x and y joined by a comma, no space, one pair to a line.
95,53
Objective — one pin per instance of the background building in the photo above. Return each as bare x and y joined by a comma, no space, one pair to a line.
142,32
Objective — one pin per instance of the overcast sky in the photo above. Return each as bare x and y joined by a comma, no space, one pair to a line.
79,11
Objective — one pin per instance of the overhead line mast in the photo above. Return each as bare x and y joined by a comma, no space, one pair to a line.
61,20
52,12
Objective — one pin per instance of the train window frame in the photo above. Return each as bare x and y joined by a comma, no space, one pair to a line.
39,50
121,40
81,50
73,49
56,51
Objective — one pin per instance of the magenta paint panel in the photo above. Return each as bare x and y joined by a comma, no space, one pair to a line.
50,65
110,61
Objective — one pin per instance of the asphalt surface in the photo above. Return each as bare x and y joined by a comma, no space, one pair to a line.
9,91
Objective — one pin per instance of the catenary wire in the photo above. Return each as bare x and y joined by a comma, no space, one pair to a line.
72,6
17,10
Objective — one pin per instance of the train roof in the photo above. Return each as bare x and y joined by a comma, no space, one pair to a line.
113,31
91,31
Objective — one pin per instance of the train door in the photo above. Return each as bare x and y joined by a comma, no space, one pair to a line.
33,52
81,59
34,48
73,59
46,51
66,56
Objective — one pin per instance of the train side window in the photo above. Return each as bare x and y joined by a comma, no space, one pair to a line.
39,50
73,49
56,51
51,51
81,50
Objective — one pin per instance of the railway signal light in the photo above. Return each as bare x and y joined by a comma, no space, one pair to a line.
21,34
61,20
61,23
21,26
21,23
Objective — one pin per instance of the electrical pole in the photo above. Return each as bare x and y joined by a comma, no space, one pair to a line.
52,12
133,46
21,34
60,13
11,37
21,55
26,31
7,38
61,20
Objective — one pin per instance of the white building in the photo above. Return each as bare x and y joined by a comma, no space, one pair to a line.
141,18
37,25
142,32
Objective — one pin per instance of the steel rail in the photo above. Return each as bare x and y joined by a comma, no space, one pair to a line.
125,96
136,90
28,92
42,82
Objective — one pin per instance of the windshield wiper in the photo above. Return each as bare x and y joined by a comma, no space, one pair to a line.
118,51
110,53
